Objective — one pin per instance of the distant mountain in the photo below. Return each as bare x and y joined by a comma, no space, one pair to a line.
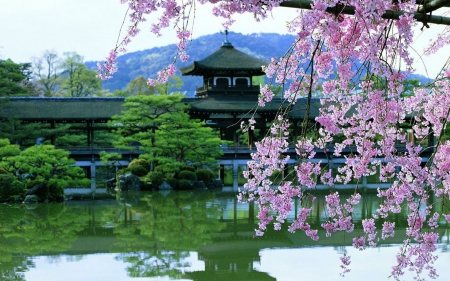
148,62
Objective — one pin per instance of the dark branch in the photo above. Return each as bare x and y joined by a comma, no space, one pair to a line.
348,10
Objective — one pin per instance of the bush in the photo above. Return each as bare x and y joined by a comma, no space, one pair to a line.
122,172
49,191
155,179
140,162
172,182
3,171
187,175
10,186
138,170
184,184
166,169
187,168
205,175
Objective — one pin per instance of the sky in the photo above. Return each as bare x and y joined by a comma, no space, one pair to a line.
91,28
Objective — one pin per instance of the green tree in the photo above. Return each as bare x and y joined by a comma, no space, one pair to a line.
50,170
26,134
160,127
181,140
7,149
78,81
47,72
140,118
15,78
139,86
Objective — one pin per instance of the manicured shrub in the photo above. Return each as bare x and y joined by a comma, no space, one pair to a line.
10,186
138,170
155,179
140,162
184,184
48,191
172,182
122,172
187,168
205,175
187,175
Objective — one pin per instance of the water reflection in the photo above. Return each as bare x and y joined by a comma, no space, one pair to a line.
188,235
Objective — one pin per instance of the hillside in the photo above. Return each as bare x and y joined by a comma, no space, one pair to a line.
148,62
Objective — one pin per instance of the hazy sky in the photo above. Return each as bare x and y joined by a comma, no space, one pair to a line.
91,27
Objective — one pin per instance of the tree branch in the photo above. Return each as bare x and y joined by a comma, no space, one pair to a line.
395,15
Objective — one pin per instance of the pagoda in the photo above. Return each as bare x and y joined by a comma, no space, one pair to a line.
228,96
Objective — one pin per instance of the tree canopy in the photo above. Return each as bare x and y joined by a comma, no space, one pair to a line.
14,78
160,127
340,43
67,76
43,168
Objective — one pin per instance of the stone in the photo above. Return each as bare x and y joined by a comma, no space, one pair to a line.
217,183
111,183
165,186
198,185
31,199
129,182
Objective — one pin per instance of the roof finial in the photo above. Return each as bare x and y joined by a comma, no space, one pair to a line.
226,42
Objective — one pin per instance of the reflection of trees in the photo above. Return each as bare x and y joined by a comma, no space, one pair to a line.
23,232
169,227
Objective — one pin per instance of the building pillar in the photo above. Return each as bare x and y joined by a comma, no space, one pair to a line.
93,175
250,138
235,173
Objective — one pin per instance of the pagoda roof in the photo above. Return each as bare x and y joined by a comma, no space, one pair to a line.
225,60
242,104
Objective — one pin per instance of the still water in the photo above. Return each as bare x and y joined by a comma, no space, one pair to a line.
182,235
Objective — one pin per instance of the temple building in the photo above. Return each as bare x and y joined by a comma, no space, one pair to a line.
228,95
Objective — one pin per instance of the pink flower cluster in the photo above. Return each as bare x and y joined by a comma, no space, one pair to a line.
357,64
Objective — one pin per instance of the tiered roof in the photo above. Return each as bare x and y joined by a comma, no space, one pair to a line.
224,61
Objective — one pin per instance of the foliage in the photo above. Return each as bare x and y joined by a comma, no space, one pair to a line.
138,170
7,149
112,158
334,51
79,81
139,86
26,134
47,165
10,186
67,76
141,162
155,179
205,175
15,79
184,184
47,72
187,168
172,182
160,127
186,141
123,171
140,118
187,175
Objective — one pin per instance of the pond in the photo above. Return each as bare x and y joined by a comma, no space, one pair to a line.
182,235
